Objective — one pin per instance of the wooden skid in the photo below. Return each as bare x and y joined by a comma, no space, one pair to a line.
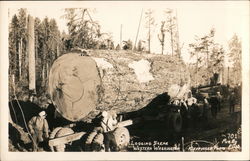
125,123
66,139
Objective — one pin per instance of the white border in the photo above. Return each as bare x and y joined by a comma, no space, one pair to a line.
5,155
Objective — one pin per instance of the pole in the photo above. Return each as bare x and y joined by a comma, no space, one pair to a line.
171,34
121,36
138,29
149,37
177,36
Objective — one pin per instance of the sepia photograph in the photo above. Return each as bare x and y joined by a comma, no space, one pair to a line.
144,76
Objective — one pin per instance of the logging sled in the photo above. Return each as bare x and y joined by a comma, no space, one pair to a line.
84,84
96,95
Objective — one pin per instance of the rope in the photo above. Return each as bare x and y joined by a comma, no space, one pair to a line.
24,120
106,125
14,111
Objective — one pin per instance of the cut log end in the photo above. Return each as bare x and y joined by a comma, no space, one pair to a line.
73,84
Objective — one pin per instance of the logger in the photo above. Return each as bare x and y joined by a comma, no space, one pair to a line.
83,84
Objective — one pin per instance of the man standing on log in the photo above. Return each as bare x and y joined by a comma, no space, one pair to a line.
39,129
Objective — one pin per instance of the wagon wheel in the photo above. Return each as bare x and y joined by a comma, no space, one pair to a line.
53,135
119,139
54,132
60,132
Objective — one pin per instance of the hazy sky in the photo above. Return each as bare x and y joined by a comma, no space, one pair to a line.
194,18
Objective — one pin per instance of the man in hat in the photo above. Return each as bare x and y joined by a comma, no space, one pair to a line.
232,102
214,102
108,124
39,129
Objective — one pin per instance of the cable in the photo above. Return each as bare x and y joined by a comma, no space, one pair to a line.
14,111
13,85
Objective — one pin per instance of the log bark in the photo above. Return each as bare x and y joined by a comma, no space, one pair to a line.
82,86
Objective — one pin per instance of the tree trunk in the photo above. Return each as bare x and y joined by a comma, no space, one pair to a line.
47,69
149,36
57,51
82,86
171,36
172,41
162,47
20,59
14,57
31,50
17,61
44,64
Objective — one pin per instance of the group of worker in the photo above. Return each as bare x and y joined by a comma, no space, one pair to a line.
216,103
212,102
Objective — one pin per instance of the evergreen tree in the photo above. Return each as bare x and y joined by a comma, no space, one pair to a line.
118,47
161,36
128,45
83,31
112,46
22,32
13,47
140,46
235,55
172,30
209,56
150,23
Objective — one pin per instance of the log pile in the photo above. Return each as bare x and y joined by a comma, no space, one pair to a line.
81,86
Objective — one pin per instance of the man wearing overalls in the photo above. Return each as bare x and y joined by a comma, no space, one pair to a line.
39,129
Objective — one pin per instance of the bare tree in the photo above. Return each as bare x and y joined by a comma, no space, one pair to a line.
161,36
150,23
31,51
170,27
235,52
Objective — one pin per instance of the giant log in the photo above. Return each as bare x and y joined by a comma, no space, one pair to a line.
82,85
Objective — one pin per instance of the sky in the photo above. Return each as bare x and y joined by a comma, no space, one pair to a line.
194,18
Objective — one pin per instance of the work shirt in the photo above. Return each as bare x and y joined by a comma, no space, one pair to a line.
38,124
108,123
191,101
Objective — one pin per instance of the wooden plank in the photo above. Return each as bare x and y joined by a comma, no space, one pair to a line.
125,123
66,139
